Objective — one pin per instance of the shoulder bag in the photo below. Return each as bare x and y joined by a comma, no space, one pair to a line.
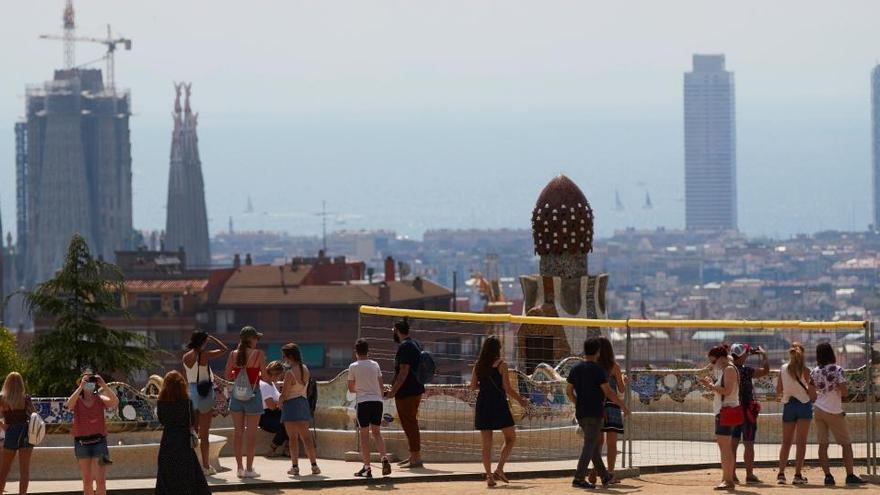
731,415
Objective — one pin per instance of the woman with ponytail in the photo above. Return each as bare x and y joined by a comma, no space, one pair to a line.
295,412
797,392
245,366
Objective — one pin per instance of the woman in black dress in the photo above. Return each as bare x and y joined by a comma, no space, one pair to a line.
179,468
492,412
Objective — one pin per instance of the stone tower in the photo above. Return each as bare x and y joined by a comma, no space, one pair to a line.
562,229
186,224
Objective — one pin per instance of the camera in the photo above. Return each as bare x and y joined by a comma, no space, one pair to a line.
92,379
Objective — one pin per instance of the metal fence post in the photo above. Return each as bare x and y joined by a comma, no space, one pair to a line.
627,436
871,445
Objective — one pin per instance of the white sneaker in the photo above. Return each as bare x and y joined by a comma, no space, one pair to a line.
294,471
316,469
241,473
209,471
251,474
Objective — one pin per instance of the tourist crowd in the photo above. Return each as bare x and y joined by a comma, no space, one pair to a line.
595,386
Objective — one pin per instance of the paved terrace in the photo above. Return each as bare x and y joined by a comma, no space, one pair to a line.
646,454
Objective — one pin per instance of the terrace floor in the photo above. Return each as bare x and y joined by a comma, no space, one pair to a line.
646,454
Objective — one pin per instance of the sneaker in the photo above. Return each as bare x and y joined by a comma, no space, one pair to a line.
829,480
316,469
250,473
293,471
780,479
799,480
365,472
609,479
582,484
209,471
852,479
240,473
752,479
386,467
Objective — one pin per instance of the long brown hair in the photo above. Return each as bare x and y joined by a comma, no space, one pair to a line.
606,355
12,394
291,351
489,353
241,352
174,388
796,360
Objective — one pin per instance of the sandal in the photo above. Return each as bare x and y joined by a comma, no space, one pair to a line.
490,480
500,476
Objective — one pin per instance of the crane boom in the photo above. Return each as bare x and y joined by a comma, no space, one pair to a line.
110,42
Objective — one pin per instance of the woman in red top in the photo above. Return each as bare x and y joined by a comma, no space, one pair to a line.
89,401
246,411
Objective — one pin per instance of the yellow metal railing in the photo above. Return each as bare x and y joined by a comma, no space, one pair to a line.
628,323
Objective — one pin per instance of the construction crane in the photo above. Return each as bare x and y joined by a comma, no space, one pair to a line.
69,39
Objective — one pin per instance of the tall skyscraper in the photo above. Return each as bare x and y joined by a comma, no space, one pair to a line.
709,145
77,173
875,141
186,224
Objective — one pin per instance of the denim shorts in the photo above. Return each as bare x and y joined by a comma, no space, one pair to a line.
254,406
746,431
16,437
97,450
795,410
296,409
722,430
199,403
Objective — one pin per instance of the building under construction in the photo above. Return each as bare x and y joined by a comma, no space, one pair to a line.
73,162
77,171
186,225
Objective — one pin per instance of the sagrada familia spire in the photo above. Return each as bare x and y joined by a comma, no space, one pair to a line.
186,223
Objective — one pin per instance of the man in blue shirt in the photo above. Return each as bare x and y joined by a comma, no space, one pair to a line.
587,389
407,391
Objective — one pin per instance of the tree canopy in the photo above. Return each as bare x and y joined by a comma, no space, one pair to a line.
81,293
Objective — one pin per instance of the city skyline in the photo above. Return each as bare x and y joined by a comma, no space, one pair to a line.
334,100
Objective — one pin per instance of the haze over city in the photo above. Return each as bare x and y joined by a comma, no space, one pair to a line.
412,116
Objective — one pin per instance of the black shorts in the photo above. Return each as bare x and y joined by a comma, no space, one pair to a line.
369,413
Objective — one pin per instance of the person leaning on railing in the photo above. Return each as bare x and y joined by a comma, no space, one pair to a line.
830,383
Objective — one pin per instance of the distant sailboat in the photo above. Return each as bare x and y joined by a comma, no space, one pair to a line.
250,206
618,204
648,205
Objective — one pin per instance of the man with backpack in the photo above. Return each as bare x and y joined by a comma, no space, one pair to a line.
407,390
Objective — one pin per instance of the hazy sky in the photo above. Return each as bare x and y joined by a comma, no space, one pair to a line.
414,114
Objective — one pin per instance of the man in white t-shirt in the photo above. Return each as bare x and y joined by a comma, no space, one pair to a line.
270,420
365,381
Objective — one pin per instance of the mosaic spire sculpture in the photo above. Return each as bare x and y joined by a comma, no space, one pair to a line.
562,230
186,223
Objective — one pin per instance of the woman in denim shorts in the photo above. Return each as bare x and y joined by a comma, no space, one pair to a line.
797,392
246,358
198,370
89,401
16,408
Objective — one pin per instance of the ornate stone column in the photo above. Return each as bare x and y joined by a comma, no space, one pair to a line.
562,229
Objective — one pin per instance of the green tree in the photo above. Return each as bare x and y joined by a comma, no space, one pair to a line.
80,294
9,359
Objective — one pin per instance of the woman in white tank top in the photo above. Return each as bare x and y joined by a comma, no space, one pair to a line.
195,365
797,392
726,389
